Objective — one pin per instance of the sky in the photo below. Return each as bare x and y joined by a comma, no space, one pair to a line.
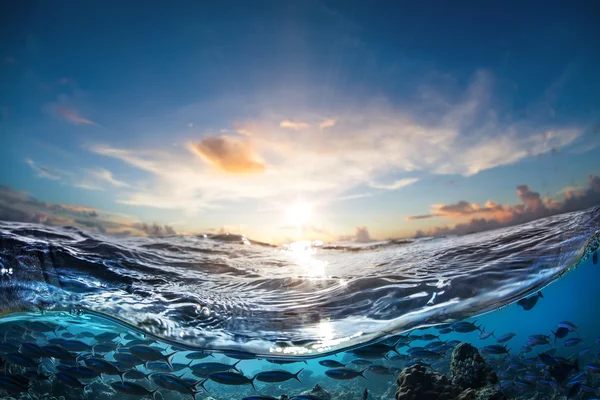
292,120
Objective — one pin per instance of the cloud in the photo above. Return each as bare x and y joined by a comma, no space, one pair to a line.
67,106
328,123
493,215
43,172
107,176
20,207
458,133
296,126
155,229
394,185
72,116
229,154
361,234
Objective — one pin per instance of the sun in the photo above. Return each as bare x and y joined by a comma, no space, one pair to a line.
298,214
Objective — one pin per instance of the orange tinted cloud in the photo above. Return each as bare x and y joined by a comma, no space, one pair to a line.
294,125
493,215
229,154
73,116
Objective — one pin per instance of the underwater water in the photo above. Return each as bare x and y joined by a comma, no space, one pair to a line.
86,316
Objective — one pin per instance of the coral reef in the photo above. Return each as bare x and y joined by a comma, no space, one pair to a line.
472,379
469,370
319,392
416,383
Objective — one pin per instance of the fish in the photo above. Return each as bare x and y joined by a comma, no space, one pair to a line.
571,327
547,359
202,370
231,378
595,258
379,370
107,336
585,351
277,376
360,361
69,380
376,350
283,361
14,383
32,350
136,374
128,359
506,337
445,331
495,349
561,371
573,390
529,302
42,327
148,353
484,335
331,364
103,366
560,333
132,389
8,348
21,360
425,354
429,336
572,342
73,345
239,355
345,373
526,349
197,355
538,339
261,397
172,382
465,327
365,394
103,348
593,368
81,371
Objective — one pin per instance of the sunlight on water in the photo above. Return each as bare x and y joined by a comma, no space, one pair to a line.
304,254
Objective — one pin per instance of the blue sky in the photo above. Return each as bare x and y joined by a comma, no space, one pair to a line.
291,120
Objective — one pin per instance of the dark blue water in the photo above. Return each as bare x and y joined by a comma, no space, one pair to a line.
288,308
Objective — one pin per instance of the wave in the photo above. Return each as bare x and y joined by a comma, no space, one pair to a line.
226,292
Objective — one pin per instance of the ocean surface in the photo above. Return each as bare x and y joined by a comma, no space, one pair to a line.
227,298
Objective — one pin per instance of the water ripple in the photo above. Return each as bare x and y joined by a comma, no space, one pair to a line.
224,291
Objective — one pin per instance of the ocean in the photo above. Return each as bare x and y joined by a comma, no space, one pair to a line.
88,316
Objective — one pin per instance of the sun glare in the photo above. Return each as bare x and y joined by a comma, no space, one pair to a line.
298,214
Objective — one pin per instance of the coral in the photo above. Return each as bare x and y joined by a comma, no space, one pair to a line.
472,379
319,392
488,393
469,370
416,383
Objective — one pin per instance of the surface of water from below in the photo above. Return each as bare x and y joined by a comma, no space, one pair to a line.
226,292
71,344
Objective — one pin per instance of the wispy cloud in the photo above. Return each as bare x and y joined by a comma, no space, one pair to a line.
328,123
296,126
398,184
72,116
107,176
42,171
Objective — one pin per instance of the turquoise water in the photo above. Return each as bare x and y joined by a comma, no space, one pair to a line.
72,304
